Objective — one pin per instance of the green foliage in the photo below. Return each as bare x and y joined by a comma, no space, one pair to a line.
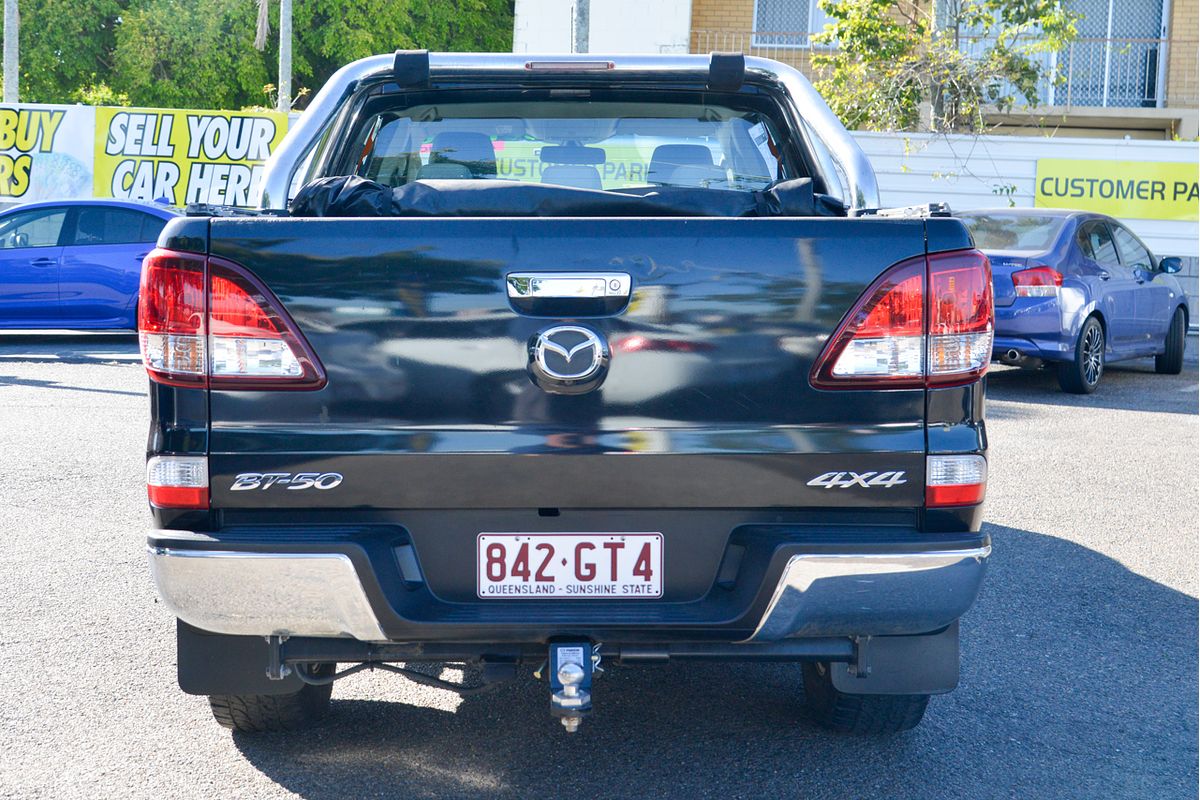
898,65
200,53
100,94
65,46
187,54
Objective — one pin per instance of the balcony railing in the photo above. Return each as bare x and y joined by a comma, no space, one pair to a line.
1087,73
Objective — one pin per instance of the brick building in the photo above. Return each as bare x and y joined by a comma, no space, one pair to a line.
1132,71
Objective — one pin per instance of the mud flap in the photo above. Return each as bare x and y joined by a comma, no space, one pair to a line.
213,663
901,665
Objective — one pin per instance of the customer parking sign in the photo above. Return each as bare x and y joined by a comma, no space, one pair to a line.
1124,189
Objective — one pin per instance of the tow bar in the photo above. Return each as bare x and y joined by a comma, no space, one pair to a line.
572,665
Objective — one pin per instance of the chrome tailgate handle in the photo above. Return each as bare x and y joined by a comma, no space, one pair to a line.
568,285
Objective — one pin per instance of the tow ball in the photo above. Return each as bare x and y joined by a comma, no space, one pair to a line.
572,665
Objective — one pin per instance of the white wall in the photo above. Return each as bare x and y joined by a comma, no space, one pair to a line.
640,26
964,171
615,26
543,26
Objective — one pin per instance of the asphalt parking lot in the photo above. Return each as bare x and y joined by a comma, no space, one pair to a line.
1079,660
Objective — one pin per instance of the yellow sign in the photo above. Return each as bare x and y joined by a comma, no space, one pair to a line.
183,156
1127,189
624,165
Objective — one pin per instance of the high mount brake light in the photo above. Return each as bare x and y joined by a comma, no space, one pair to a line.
1041,281
925,322
209,322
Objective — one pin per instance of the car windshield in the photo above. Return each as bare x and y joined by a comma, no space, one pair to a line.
598,145
1032,232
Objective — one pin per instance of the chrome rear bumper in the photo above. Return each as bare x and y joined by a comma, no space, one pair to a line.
261,594
322,595
855,594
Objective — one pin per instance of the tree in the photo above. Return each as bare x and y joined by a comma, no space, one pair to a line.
201,53
66,46
189,54
901,65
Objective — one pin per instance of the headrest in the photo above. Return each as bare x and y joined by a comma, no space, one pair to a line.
668,157
464,147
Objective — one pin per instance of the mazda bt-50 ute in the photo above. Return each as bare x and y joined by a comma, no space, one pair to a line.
550,365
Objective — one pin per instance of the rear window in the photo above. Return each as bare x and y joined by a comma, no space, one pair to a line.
596,145
1034,232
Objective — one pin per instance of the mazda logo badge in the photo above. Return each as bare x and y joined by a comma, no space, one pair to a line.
568,359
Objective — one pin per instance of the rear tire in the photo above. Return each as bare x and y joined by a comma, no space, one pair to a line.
861,714
1171,361
262,713
1081,375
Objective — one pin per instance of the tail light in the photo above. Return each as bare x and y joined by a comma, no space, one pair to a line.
925,322
955,480
177,481
1037,282
208,322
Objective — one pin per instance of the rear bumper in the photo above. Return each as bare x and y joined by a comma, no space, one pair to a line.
804,590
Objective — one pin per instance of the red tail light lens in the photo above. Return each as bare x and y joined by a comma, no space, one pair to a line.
1037,282
960,316
924,322
235,335
171,315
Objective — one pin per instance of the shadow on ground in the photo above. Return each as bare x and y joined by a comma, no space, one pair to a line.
1131,386
1099,700
68,348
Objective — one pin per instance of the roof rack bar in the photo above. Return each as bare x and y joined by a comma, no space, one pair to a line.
717,70
726,71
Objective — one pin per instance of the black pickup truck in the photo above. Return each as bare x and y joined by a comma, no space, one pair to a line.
546,365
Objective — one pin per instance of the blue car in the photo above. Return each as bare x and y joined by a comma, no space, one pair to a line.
75,264
1079,290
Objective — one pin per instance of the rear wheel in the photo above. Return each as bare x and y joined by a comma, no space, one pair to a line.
260,713
1081,375
858,713
1171,361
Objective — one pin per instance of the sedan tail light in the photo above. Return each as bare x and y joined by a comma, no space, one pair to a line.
209,322
927,321
1037,282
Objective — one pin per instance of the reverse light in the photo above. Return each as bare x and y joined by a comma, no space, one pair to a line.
177,481
209,322
924,322
1037,282
959,480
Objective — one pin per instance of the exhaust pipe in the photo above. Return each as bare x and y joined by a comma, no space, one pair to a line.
1015,358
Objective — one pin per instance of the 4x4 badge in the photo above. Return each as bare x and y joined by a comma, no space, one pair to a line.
845,480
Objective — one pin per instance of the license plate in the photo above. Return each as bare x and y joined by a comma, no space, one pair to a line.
586,566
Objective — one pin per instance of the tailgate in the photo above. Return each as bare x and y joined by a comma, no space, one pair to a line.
705,400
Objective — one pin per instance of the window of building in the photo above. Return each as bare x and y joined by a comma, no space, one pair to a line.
787,23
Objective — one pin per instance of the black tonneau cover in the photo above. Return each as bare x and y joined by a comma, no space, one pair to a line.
353,196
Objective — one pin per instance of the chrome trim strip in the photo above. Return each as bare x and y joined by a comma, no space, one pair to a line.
523,285
300,139
829,591
264,594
